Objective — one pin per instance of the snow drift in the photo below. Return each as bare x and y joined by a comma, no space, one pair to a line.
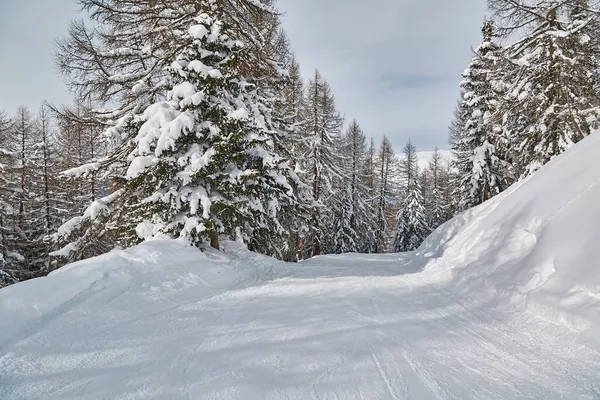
536,244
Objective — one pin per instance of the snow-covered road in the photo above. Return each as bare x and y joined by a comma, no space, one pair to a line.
346,327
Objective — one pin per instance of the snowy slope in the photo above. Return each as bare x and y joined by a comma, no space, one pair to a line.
424,157
499,303
537,245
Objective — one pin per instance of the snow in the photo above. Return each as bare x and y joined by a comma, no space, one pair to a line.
534,245
499,303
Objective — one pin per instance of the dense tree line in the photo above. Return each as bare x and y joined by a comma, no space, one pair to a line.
529,93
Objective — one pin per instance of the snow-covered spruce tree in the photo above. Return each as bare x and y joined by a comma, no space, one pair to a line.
481,171
323,125
352,229
201,162
411,221
383,195
554,103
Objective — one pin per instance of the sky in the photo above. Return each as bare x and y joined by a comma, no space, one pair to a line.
394,65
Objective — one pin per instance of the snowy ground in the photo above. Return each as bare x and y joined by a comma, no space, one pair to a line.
500,303
161,322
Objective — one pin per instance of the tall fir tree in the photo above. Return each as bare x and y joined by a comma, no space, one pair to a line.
411,221
481,169
200,163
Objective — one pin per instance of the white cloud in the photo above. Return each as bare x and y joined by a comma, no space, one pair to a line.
394,65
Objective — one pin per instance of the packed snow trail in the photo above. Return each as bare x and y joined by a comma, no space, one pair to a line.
162,321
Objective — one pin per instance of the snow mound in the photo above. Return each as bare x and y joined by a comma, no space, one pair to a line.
148,275
534,245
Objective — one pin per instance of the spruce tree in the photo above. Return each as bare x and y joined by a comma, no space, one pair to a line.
201,163
481,175
411,221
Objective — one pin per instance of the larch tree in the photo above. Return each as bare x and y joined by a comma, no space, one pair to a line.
438,206
9,264
352,227
323,126
384,194
291,109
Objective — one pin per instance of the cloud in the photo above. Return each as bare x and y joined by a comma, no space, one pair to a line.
394,65
28,30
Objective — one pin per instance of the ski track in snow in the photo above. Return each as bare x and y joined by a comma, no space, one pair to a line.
333,328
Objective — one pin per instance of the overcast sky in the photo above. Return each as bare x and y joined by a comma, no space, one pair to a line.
394,65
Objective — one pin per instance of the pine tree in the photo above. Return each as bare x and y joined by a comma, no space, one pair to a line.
411,221
323,125
201,163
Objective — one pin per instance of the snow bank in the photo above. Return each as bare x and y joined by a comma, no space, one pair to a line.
148,275
534,245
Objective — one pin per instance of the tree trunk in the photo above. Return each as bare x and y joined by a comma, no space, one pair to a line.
214,240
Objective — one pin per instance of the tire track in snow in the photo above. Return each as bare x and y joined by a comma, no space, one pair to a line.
427,378
552,363
395,394
384,376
